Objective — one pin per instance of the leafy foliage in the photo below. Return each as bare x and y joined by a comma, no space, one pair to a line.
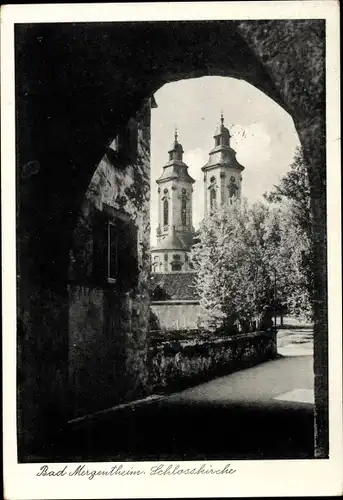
232,260
294,191
250,260
292,196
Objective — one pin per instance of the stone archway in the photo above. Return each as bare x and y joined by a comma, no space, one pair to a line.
78,87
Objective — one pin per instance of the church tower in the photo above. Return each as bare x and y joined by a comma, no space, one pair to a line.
222,172
175,222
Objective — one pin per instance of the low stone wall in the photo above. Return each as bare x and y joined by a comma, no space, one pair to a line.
176,364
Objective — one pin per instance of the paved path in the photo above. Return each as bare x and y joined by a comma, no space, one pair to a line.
263,412
263,386
295,342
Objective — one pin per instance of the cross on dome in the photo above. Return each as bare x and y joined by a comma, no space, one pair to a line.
176,151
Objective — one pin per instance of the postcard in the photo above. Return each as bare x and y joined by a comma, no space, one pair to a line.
171,250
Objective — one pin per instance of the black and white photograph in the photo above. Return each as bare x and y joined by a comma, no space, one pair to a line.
171,250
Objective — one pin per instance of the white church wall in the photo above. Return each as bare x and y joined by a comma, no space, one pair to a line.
177,315
161,260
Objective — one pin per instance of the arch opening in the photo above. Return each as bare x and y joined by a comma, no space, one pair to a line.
57,281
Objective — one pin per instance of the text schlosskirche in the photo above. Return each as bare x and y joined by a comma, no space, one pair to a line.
160,469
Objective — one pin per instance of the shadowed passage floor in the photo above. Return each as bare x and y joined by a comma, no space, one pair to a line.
263,412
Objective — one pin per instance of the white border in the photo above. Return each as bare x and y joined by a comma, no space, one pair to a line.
253,478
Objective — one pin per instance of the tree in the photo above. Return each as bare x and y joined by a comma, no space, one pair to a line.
242,251
294,188
292,196
234,265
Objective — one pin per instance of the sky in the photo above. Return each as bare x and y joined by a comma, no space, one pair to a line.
263,134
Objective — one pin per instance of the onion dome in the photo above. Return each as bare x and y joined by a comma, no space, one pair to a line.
176,151
175,169
222,135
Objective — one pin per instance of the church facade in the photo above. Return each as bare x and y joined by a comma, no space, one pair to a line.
175,231
173,288
222,172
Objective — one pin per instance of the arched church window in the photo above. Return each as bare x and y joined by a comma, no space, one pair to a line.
183,211
213,193
233,188
213,198
165,212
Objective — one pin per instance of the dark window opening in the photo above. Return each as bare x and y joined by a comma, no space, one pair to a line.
159,293
213,198
115,252
176,266
165,212
122,254
124,148
183,211
233,188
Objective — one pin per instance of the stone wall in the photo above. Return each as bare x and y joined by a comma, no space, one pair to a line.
42,365
176,364
108,318
176,315
297,68
82,338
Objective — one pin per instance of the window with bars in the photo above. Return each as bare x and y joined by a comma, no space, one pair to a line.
115,255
